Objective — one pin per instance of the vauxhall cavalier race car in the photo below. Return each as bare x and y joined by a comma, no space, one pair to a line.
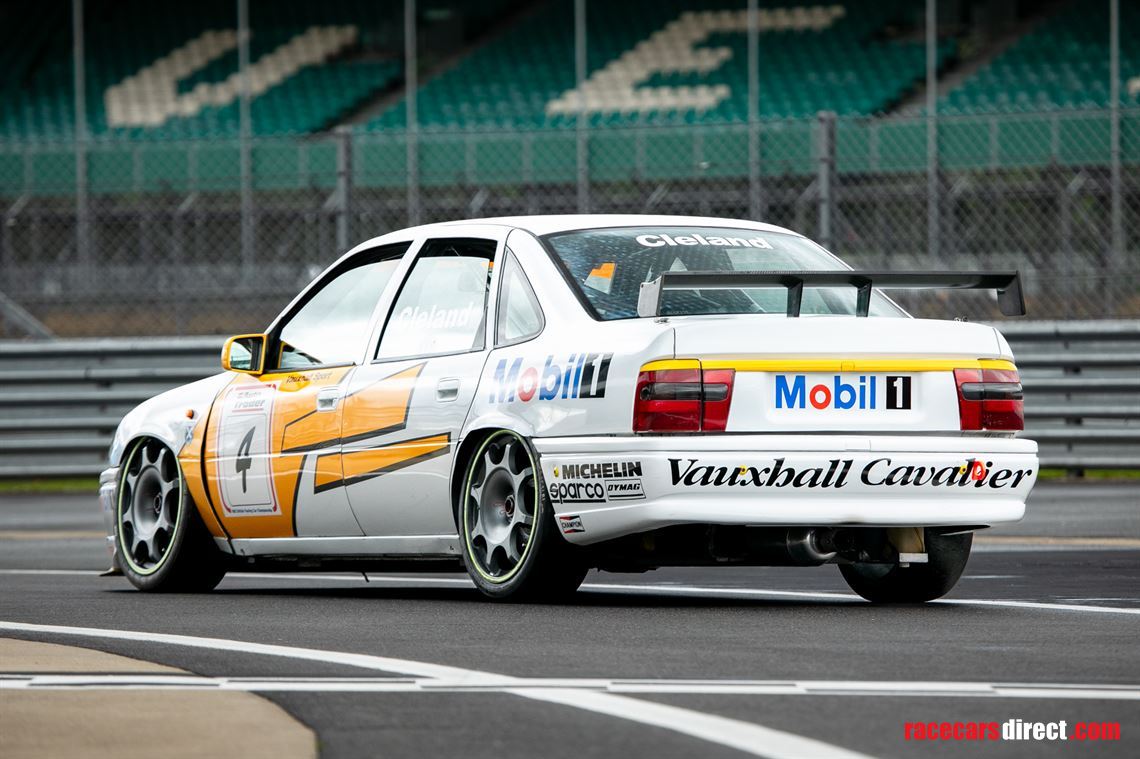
530,398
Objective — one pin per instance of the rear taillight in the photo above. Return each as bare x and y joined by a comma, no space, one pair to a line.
990,399
683,400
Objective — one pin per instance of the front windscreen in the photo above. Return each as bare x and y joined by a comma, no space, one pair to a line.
609,265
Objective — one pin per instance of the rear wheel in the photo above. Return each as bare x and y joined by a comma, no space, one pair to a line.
511,546
890,583
162,544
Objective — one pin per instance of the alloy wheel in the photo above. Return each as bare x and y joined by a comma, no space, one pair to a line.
500,506
149,505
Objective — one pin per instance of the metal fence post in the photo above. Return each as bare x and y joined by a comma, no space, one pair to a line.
246,148
825,167
1117,255
343,187
581,134
82,217
411,128
1068,198
528,169
933,231
755,202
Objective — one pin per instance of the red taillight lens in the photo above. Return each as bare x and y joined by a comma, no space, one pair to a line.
717,398
990,399
683,400
668,401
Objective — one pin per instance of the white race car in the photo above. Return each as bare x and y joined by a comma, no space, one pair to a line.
533,397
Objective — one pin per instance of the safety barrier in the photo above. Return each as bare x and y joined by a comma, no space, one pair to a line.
60,401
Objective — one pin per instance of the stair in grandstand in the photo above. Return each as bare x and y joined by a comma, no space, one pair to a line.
153,71
1060,64
678,61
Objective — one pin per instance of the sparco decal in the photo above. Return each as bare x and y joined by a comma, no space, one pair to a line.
862,392
881,472
577,492
581,375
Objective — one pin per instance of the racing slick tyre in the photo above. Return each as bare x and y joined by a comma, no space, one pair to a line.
918,583
162,545
511,545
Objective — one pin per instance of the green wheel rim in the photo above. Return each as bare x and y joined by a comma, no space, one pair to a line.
149,509
500,507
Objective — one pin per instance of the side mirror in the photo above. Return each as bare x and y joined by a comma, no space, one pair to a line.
245,354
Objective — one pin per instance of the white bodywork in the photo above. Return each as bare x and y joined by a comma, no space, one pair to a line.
772,466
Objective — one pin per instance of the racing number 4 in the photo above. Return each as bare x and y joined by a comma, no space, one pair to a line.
244,461
245,477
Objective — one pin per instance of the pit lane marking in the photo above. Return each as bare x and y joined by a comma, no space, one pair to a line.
689,591
747,737
664,686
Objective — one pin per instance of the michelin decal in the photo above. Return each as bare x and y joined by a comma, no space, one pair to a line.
597,482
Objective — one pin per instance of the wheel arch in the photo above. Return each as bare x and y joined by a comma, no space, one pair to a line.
473,436
191,480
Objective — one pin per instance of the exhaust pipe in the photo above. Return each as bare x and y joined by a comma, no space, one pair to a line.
810,545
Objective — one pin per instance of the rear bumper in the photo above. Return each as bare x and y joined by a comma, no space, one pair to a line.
606,487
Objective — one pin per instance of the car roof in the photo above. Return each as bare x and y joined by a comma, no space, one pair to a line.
554,223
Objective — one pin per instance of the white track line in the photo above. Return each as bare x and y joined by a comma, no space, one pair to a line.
691,591
744,736
518,686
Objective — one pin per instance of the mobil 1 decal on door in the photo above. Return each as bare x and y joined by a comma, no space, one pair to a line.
243,464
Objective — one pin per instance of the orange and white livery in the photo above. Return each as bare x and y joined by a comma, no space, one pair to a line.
529,398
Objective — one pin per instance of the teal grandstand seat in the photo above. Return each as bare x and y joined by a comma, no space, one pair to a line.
813,56
1062,64
314,86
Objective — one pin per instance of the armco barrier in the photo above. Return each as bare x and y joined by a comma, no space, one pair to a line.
60,401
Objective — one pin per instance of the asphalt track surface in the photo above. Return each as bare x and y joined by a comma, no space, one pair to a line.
673,663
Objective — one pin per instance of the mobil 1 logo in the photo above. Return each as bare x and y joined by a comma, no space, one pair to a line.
898,392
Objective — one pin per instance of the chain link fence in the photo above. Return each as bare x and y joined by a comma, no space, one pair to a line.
155,239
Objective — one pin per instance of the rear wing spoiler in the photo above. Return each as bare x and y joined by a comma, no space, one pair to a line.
1011,301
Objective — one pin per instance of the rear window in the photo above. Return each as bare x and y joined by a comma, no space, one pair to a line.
609,265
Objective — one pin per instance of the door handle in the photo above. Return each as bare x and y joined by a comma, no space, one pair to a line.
447,389
328,399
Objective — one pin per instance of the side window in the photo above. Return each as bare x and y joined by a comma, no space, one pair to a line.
332,326
519,316
442,305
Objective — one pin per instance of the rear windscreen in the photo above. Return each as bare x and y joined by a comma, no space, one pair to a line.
609,265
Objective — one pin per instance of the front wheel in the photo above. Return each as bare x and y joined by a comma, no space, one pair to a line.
889,583
162,545
511,545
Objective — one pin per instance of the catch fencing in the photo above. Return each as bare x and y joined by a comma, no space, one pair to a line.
174,239
63,399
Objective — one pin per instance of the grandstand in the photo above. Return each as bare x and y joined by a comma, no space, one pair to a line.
651,61
154,72
169,72
1061,64
155,76
1022,158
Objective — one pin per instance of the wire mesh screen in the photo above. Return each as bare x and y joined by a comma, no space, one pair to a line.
163,237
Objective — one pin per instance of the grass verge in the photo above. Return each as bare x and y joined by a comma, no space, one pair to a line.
1090,474
57,485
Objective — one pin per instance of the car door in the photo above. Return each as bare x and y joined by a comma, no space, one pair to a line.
273,446
405,408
